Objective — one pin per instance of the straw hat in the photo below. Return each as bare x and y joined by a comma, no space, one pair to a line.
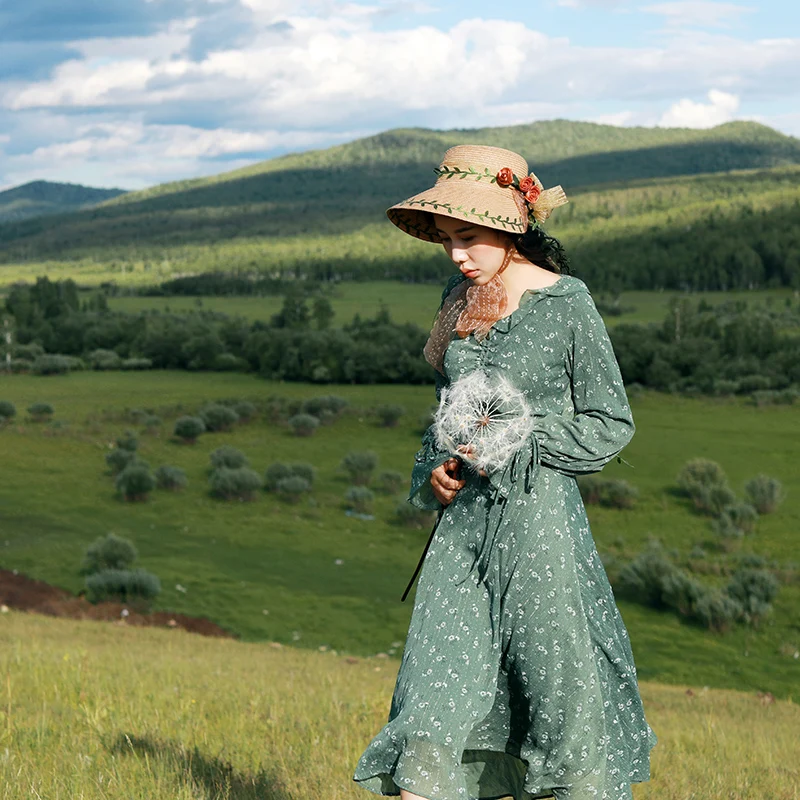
488,186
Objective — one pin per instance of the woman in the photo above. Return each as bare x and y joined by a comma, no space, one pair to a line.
517,677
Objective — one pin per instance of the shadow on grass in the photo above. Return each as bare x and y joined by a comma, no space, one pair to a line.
215,777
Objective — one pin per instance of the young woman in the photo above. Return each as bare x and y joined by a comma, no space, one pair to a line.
517,677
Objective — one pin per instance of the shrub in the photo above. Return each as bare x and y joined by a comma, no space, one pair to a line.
303,470
391,481
229,484
360,464
217,417
28,352
700,473
754,590
275,472
40,412
645,576
51,365
329,402
245,410
119,459
108,552
135,482
743,515
136,363
151,422
728,531
681,592
227,456
292,488
359,499
303,424
617,493
128,441
765,493
389,414
713,500
724,388
7,410
411,516
173,478
104,359
127,586
590,487
189,428
717,611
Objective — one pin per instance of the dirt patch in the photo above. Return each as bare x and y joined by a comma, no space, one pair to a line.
26,594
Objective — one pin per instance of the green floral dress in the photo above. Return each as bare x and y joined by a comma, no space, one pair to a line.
517,677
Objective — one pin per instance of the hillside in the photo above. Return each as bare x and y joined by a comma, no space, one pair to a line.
39,198
325,209
97,711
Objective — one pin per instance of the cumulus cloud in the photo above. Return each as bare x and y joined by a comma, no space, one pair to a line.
699,13
721,107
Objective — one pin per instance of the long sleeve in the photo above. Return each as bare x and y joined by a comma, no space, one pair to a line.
602,423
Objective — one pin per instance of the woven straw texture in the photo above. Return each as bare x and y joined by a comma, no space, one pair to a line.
466,189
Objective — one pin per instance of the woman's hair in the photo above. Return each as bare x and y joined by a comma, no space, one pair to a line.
543,250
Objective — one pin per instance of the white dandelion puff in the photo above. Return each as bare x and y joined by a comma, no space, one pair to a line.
488,418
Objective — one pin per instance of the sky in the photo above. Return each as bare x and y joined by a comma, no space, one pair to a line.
132,93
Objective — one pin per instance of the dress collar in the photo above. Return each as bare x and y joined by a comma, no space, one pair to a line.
527,301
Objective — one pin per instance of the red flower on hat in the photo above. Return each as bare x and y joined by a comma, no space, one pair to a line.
532,195
505,177
526,184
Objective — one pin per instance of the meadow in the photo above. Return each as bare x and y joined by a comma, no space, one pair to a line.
95,711
312,576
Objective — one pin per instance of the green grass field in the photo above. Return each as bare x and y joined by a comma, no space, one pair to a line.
98,711
267,570
417,302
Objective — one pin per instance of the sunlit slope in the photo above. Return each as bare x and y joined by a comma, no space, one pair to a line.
96,710
315,205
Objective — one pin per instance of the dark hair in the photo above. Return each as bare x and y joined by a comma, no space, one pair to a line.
543,250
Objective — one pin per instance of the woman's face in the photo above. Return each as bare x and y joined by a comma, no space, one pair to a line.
477,251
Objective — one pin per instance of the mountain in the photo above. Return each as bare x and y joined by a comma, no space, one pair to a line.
322,212
43,197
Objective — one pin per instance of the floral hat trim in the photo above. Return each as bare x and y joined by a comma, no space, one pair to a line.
533,201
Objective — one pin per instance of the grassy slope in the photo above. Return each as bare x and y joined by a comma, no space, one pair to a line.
96,711
327,206
239,561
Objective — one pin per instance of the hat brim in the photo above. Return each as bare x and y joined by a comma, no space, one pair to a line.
480,203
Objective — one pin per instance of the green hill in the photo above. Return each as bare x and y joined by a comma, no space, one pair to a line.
38,198
321,213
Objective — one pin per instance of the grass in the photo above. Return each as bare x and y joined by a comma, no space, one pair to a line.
268,570
96,711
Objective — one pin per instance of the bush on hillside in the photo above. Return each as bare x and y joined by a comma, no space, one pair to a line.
700,473
743,515
644,577
136,363
274,473
681,592
728,531
136,587
360,464
389,414
41,412
104,359
151,423
608,492
217,417
717,611
359,499
754,590
292,488
303,424
304,470
765,493
128,441
189,428
331,403
245,410
52,365
172,478
135,482
108,552
232,484
411,516
390,481
118,459
227,456
7,410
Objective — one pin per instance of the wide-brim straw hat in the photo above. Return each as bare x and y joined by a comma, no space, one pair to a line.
472,185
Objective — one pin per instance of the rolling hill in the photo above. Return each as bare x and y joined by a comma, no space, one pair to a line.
322,212
38,198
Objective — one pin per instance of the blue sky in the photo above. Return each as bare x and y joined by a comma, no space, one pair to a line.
133,93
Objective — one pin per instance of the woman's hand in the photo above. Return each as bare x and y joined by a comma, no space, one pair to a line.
443,483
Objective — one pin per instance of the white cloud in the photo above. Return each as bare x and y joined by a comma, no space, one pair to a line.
686,113
699,13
